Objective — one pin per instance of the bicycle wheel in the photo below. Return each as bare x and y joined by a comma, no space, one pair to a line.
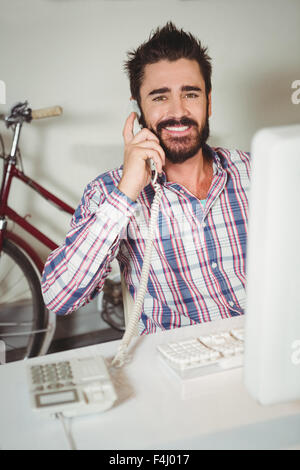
23,316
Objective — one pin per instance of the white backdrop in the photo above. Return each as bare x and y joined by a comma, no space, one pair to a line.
71,53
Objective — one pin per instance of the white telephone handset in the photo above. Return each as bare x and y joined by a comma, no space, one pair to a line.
136,109
131,327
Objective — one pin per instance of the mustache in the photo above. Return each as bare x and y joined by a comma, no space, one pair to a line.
184,121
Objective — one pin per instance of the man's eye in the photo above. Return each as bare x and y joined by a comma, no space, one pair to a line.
159,98
191,95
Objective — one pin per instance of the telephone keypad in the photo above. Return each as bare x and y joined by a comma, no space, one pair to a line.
52,376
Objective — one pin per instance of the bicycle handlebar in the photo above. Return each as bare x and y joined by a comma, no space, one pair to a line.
46,112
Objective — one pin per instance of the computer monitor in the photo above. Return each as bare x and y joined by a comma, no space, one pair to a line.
272,320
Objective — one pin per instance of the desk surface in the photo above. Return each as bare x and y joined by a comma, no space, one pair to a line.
154,409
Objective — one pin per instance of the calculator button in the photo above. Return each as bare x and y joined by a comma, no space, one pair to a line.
52,386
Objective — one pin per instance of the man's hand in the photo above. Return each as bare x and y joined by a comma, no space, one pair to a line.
138,149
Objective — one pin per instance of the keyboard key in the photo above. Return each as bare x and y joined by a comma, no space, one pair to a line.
223,350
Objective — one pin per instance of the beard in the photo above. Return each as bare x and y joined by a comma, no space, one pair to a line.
180,148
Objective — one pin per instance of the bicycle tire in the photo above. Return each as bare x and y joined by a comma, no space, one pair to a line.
35,309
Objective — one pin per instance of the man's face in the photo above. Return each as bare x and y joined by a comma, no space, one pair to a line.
175,107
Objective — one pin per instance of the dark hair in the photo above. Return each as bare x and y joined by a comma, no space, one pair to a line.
167,43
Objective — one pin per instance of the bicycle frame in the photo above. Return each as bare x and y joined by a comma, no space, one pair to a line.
7,213
10,172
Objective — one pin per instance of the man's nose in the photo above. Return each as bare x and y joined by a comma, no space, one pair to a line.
177,108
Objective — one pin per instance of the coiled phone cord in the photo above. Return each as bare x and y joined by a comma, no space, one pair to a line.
121,355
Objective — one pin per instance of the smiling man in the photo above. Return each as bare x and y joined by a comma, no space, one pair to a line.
198,259
178,115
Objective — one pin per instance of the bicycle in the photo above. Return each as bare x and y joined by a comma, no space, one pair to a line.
24,320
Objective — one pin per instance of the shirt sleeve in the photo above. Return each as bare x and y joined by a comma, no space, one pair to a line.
75,272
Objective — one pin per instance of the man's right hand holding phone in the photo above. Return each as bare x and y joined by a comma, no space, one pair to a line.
138,149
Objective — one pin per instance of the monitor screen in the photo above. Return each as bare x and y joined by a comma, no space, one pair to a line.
272,330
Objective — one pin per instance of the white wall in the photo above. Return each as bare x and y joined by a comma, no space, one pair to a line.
71,53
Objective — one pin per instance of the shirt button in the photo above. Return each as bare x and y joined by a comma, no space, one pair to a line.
231,303
204,225
181,191
214,265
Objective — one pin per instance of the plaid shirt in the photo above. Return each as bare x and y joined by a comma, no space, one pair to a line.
198,264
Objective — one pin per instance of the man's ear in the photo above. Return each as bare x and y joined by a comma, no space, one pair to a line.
135,107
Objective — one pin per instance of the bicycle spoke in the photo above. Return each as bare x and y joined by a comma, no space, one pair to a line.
15,281
11,299
7,273
22,310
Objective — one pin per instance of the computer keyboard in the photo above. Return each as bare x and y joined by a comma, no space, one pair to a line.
205,353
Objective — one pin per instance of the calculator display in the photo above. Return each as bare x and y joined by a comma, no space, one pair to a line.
56,398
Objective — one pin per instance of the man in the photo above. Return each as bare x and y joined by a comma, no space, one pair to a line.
197,269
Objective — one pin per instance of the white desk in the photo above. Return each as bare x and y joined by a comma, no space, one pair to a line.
151,413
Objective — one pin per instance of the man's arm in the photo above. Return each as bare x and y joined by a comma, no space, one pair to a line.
76,270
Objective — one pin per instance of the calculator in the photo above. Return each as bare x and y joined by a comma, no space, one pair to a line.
72,387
